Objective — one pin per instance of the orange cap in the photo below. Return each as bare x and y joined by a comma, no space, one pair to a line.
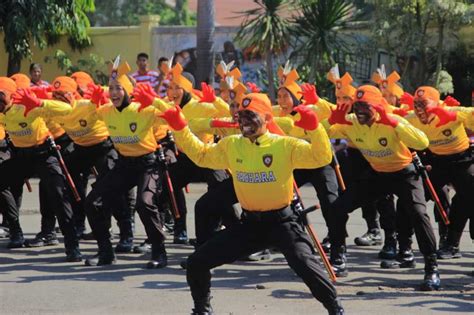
287,78
64,84
7,85
82,79
22,80
261,104
370,94
179,79
427,93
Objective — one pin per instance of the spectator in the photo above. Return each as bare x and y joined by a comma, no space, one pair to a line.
35,73
143,74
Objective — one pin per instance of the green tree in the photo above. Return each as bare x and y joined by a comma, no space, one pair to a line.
41,23
265,31
316,35
205,41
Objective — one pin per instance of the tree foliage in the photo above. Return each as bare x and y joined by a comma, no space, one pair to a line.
118,12
41,23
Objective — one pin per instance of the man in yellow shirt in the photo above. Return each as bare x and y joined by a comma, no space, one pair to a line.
262,165
451,158
25,125
383,139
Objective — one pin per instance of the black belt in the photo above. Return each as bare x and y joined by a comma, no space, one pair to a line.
277,215
464,156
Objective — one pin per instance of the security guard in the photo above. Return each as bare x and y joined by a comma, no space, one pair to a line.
26,127
383,139
262,164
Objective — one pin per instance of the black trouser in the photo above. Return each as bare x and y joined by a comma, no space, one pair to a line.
353,164
48,217
406,184
324,181
29,161
10,198
214,208
128,172
273,230
183,172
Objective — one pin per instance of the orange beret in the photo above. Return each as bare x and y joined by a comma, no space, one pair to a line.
64,84
427,93
82,79
7,85
22,80
369,94
261,104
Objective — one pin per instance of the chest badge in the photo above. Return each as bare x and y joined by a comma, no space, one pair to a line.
383,141
267,160
23,124
82,122
447,132
133,126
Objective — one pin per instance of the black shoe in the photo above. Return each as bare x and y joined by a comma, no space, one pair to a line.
338,261
42,239
159,259
326,244
73,255
4,232
431,281
371,238
449,252
16,241
88,236
202,307
101,259
261,255
404,259
124,246
184,264
181,238
143,248
335,308
388,251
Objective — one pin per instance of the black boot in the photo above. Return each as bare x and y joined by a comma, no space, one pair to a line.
371,238
202,307
16,236
431,281
389,249
443,235
125,245
261,255
180,237
73,254
143,248
159,259
105,256
335,308
326,244
338,261
43,239
450,248
404,259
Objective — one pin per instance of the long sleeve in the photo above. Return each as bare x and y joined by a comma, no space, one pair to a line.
311,155
162,105
205,155
411,136
222,107
51,108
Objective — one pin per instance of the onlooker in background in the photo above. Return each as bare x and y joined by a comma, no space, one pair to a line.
231,54
143,74
35,73
162,82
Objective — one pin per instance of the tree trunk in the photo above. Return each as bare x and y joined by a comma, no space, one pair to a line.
14,65
205,41
439,48
270,75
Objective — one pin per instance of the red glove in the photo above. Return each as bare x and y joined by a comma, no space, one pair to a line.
445,116
253,87
42,92
400,112
451,101
175,118
216,123
384,118
408,99
26,98
310,96
96,94
308,120
208,94
338,115
144,94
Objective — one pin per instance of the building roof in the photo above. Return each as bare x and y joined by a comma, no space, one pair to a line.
227,12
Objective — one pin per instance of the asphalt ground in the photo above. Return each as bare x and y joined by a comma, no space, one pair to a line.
38,281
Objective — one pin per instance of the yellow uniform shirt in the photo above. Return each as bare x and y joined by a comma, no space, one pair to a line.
263,172
83,124
31,130
384,147
131,131
450,138
54,128
2,132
